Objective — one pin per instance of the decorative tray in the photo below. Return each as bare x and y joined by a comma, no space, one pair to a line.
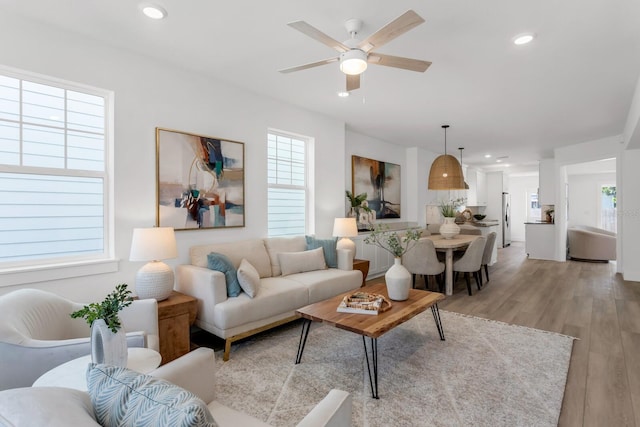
364,303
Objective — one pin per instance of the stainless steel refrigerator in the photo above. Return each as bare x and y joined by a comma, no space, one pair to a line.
506,220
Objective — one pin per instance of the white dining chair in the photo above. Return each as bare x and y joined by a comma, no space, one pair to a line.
423,260
488,252
471,261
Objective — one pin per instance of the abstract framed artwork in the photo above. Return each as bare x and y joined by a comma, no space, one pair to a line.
381,181
199,181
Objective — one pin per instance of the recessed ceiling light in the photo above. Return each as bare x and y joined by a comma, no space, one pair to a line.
524,38
498,161
506,166
154,11
486,156
343,94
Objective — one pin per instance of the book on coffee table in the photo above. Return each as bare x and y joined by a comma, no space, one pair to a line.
364,303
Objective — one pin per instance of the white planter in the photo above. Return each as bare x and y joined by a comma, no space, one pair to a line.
449,229
108,347
398,280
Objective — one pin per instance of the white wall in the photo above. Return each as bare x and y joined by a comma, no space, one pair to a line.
629,214
518,187
150,94
584,194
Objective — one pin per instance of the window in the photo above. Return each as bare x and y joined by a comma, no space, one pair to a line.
288,184
608,205
53,171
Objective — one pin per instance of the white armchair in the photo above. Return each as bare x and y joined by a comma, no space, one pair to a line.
591,243
195,372
37,333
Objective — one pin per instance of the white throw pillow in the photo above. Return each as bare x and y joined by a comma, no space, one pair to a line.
248,277
299,262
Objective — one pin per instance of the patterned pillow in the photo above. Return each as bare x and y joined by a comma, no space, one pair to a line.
122,397
328,247
223,264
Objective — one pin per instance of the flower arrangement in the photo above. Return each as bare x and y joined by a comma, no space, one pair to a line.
358,202
449,208
107,309
391,241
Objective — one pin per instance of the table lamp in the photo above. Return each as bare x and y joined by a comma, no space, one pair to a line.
154,279
345,228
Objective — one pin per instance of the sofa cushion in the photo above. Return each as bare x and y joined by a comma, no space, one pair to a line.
328,246
277,295
248,277
223,264
122,397
323,284
275,245
300,262
253,250
46,406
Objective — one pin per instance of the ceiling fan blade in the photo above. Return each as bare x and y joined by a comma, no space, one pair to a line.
393,29
398,62
310,65
318,35
353,82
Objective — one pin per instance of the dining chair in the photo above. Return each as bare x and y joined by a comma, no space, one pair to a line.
423,260
471,262
488,252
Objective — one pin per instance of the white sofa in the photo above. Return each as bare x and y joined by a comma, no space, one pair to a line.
37,333
278,296
195,372
591,243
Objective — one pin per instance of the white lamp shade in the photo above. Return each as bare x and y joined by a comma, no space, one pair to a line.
353,62
153,244
345,227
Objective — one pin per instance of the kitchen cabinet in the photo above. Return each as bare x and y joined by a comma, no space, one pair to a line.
547,182
477,193
540,240
379,259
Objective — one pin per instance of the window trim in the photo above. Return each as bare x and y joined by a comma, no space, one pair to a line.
50,269
309,210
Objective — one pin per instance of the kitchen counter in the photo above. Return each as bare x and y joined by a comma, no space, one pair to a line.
539,222
539,241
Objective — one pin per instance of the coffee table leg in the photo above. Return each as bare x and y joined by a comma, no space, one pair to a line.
306,325
373,381
436,317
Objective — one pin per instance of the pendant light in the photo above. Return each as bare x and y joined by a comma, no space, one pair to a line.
446,172
466,186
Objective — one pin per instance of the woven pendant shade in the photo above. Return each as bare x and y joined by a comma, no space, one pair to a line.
446,172
447,165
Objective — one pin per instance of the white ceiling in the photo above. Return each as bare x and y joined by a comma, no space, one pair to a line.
573,84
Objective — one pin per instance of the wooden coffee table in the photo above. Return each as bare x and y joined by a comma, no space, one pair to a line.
372,326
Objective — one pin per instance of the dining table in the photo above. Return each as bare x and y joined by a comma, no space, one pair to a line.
448,246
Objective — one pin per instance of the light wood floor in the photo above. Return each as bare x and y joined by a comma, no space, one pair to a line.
585,300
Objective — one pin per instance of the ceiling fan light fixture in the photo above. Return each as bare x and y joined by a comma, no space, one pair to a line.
353,62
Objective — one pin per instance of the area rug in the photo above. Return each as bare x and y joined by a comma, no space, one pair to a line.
486,373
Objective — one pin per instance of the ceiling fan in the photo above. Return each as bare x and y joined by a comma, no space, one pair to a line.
355,54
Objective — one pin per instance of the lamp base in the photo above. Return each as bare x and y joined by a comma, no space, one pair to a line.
347,243
154,280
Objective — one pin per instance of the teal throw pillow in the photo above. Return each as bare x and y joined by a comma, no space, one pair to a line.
223,264
328,247
123,398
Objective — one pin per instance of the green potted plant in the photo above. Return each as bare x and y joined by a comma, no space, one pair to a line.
357,202
108,340
448,209
397,278
549,214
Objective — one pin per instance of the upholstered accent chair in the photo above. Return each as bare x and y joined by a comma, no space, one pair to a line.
591,243
37,333
488,251
471,262
423,260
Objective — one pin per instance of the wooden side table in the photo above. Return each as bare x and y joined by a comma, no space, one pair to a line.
362,265
175,316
